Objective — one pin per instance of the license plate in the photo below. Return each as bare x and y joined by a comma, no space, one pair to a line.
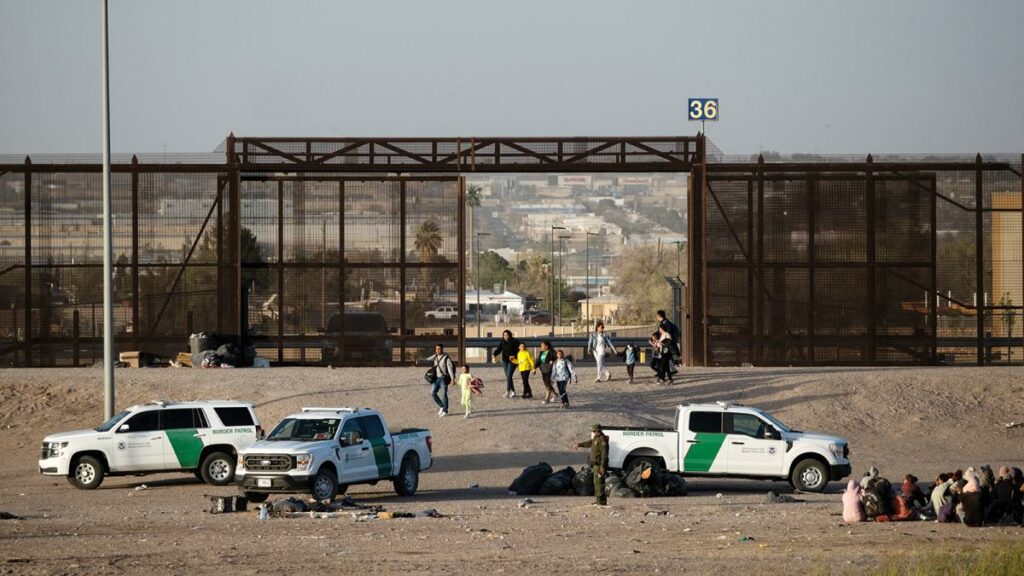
263,483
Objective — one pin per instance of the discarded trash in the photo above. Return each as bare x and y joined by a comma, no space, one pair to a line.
141,487
1015,425
259,362
9,516
719,495
745,539
264,513
221,504
473,485
288,506
429,513
525,502
773,497
656,513
531,479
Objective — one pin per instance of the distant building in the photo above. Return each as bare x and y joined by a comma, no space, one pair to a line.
493,304
602,307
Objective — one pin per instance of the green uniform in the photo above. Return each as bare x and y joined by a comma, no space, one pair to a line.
598,463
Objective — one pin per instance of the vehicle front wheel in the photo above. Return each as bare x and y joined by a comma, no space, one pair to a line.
324,486
408,478
809,475
256,497
86,473
218,469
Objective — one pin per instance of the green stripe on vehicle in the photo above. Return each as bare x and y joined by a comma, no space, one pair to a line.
701,455
382,456
187,447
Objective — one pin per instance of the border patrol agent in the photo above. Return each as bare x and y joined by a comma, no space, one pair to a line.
598,461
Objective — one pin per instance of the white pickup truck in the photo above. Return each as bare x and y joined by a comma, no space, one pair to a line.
732,441
323,451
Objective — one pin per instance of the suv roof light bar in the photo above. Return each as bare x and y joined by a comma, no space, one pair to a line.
325,409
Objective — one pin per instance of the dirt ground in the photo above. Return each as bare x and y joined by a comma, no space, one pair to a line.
919,420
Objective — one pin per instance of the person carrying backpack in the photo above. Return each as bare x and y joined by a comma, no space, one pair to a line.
507,350
443,374
561,372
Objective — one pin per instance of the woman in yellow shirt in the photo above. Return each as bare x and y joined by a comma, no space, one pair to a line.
524,360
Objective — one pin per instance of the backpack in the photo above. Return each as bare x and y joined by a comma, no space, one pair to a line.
877,498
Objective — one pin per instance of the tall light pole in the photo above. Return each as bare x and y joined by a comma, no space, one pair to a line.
108,235
561,276
551,292
477,253
589,234
679,258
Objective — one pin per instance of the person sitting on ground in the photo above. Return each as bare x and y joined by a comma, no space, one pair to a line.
1017,510
912,492
524,360
868,481
853,508
940,493
970,509
1002,497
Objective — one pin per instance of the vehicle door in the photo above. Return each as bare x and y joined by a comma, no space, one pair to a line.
702,441
139,443
381,446
185,429
750,450
354,458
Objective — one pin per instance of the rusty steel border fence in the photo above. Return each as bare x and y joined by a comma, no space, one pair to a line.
293,244
899,261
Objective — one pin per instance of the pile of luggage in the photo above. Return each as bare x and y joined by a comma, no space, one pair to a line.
642,481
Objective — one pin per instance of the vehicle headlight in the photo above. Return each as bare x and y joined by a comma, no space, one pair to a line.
836,450
303,461
241,462
52,449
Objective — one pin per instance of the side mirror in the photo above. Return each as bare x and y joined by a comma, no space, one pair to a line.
122,428
773,434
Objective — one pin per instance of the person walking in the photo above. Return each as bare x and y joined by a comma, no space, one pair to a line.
667,352
673,332
655,363
601,346
465,383
545,362
507,350
561,372
632,355
598,461
444,374
524,360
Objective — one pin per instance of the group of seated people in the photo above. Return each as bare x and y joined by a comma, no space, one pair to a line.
975,497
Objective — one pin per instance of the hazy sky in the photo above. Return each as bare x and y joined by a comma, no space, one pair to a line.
884,76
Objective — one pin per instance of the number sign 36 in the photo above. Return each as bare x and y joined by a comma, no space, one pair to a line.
703,108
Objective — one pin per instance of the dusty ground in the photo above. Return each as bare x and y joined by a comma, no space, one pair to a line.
902,420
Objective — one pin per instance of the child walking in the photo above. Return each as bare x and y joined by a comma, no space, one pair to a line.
524,360
465,382
561,373
632,355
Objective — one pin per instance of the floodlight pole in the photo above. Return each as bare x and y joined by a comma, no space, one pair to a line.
108,237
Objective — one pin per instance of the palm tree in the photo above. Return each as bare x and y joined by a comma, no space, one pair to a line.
472,201
428,241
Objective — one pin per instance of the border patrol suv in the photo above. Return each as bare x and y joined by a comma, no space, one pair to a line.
323,451
732,441
199,437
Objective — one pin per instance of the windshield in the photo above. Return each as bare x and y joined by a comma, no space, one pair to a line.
109,424
305,429
776,422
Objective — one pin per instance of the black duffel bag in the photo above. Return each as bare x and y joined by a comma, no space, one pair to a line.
559,483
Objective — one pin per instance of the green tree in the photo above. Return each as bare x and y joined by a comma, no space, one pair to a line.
640,279
493,270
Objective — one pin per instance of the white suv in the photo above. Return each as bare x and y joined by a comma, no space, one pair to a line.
199,437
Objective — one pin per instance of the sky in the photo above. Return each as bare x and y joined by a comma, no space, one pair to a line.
910,76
